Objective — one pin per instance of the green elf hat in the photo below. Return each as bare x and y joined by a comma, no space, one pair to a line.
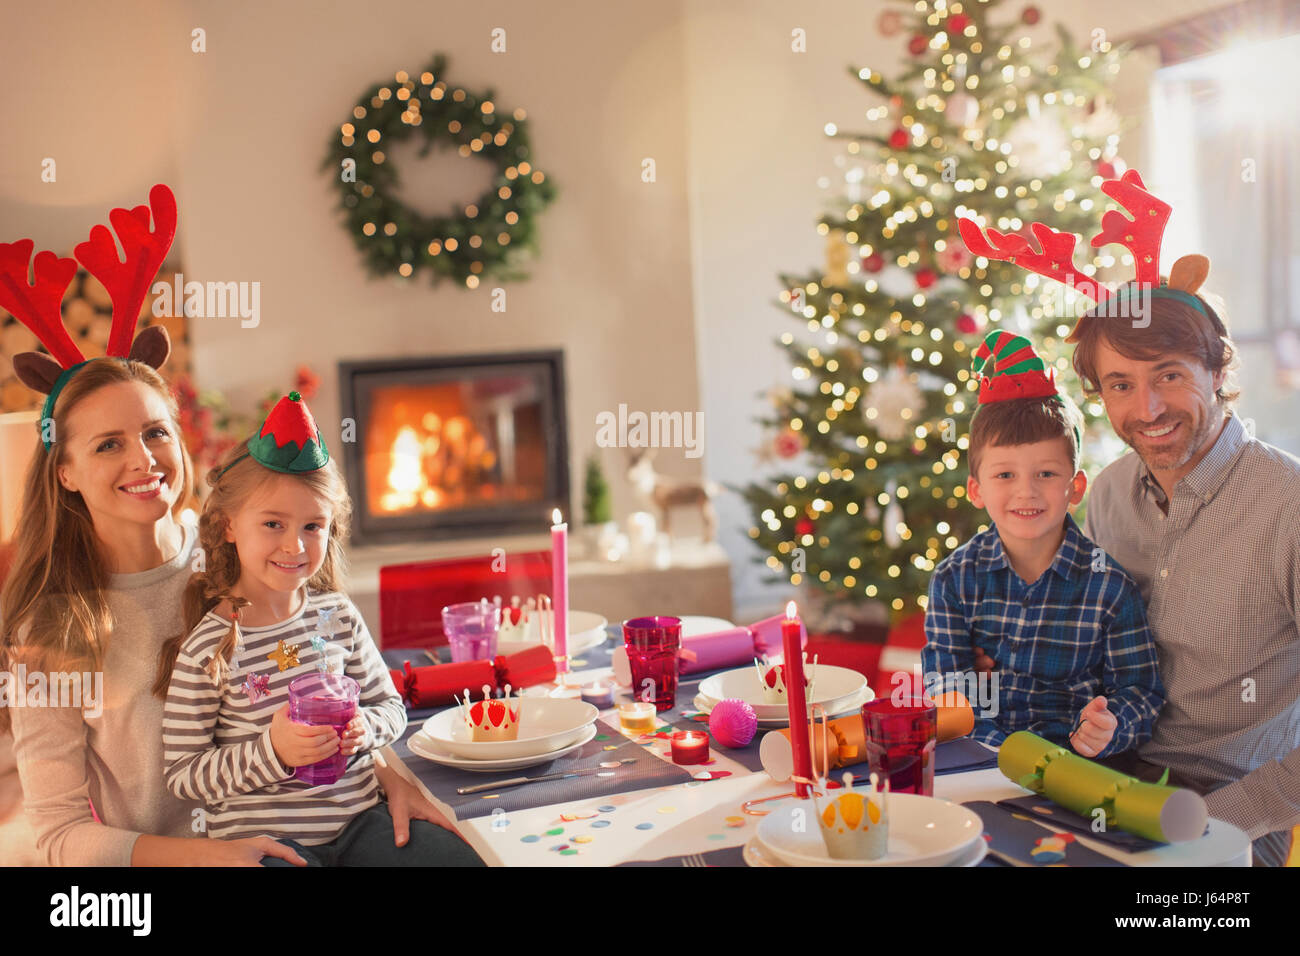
1009,368
289,441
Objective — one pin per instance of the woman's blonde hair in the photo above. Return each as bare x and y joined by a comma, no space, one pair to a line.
234,482
56,587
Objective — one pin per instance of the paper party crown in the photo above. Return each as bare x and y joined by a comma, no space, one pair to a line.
771,678
855,825
490,720
37,304
1141,235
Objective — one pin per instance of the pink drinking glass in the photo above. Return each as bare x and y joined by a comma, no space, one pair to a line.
318,700
652,645
900,742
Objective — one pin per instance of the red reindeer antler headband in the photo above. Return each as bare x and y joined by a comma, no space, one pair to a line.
1141,235
37,304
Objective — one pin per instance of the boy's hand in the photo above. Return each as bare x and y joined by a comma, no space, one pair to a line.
298,745
355,737
983,663
1096,730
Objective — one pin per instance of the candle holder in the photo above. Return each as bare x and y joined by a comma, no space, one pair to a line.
599,694
637,717
690,747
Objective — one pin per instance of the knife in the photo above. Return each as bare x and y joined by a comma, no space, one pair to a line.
516,781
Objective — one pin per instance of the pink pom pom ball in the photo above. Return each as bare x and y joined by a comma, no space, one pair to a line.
733,723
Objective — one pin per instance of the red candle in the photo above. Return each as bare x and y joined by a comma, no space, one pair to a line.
801,741
690,746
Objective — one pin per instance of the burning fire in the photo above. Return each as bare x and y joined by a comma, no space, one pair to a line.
407,482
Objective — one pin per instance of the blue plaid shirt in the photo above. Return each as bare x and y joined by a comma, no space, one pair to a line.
1073,634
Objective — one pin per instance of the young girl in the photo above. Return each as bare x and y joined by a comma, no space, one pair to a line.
266,610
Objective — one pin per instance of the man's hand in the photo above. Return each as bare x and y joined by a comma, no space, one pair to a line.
983,663
1096,730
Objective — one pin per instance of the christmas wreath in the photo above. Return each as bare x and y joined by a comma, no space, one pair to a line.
493,234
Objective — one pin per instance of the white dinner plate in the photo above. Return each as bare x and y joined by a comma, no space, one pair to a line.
586,630
545,724
923,831
834,688
425,746
756,855
852,705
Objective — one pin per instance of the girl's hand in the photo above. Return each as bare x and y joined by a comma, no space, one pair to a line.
355,737
298,745
247,852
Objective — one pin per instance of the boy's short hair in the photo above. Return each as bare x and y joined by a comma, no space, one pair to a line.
1024,421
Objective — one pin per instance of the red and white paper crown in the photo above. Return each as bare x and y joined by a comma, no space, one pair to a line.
490,719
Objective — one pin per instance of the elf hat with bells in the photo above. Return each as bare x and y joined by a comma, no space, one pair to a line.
37,304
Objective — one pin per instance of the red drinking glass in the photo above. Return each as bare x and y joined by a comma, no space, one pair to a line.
652,645
900,742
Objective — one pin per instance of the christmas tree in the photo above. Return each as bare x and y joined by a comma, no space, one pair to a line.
873,428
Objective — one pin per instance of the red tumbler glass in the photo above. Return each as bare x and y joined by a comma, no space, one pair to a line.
900,742
653,644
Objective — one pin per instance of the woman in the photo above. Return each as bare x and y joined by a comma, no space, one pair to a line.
101,562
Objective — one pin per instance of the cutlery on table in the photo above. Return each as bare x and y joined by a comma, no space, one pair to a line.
517,781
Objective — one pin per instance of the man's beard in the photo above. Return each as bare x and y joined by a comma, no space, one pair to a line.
1167,458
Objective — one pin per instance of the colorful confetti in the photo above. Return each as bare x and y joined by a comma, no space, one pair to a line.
717,836
554,832
559,846
645,826
734,821
601,737
569,852
611,747
570,817
712,774
531,838
667,809
583,839
610,764
701,718
606,809
599,824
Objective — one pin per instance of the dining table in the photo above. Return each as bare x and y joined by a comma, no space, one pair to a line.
635,807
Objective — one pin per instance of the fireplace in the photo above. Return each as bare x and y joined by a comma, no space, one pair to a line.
455,446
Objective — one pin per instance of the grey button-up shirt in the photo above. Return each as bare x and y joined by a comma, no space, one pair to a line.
1220,574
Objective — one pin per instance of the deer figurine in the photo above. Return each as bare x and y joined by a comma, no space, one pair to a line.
666,493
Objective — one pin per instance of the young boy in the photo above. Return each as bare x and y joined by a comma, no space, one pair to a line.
1076,663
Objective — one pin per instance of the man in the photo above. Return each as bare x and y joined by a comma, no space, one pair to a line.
1206,518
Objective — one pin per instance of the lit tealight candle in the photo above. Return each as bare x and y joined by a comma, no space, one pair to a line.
637,716
599,694
690,746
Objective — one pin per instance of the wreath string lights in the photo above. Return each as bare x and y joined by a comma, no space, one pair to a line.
493,236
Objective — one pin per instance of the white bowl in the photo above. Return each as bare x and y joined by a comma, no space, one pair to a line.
422,746
835,687
756,855
545,724
923,831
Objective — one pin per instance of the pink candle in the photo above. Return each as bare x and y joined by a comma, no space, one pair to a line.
800,738
560,590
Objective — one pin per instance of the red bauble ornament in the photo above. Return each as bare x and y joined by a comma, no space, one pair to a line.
873,263
899,139
926,278
968,324
889,23
958,22
803,526
1106,169
1030,15
918,44
788,443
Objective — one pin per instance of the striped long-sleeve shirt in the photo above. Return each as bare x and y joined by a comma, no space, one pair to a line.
1078,631
217,736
